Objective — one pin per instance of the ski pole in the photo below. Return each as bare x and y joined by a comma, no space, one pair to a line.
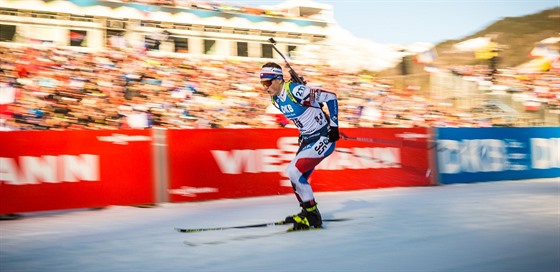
396,143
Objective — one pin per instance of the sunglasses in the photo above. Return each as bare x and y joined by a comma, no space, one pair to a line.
266,83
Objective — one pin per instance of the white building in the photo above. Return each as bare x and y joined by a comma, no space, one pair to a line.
221,30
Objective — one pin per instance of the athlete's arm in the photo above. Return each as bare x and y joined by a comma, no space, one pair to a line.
332,104
313,97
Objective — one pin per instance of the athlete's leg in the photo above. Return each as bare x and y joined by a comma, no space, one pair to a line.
303,164
303,187
299,171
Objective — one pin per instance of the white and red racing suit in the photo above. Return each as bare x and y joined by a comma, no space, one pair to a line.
302,105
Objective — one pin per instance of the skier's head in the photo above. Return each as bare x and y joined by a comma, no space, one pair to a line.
272,78
271,70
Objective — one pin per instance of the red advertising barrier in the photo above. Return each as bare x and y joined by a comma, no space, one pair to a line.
224,163
50,170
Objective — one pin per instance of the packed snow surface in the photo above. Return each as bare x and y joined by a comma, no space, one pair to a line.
495,226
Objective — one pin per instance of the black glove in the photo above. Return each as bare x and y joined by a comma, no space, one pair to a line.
333,134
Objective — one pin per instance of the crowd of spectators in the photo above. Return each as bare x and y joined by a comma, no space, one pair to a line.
531,87
540,88
49,87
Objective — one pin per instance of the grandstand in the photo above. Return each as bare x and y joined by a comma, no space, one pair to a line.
180,36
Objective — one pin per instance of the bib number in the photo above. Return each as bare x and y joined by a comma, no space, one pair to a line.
321,146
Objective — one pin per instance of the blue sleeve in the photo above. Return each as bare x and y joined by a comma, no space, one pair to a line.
332,105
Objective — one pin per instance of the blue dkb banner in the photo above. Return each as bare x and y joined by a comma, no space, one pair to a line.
491,154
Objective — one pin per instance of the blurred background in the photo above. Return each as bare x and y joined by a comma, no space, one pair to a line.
112,103
114,64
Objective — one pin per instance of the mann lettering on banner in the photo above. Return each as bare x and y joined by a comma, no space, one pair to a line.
49,169
57,170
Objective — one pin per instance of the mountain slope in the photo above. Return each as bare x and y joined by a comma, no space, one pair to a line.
517,35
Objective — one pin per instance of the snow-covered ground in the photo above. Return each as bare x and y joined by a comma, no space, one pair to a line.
496,226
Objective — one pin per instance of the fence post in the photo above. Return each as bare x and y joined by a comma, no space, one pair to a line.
159,163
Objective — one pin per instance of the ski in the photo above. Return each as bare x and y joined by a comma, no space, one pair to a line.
234,227
262,225
247,237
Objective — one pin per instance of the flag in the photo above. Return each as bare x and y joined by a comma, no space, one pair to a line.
544,50
427,56
77,37
487,52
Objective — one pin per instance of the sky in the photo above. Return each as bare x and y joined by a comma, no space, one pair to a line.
431,21
488,226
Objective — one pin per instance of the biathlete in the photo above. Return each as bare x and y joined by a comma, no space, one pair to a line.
318,134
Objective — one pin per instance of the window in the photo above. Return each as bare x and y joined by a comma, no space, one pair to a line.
291,50
242,49
266,51
181,44
209,47
78,38
115,38
151,43
7,33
